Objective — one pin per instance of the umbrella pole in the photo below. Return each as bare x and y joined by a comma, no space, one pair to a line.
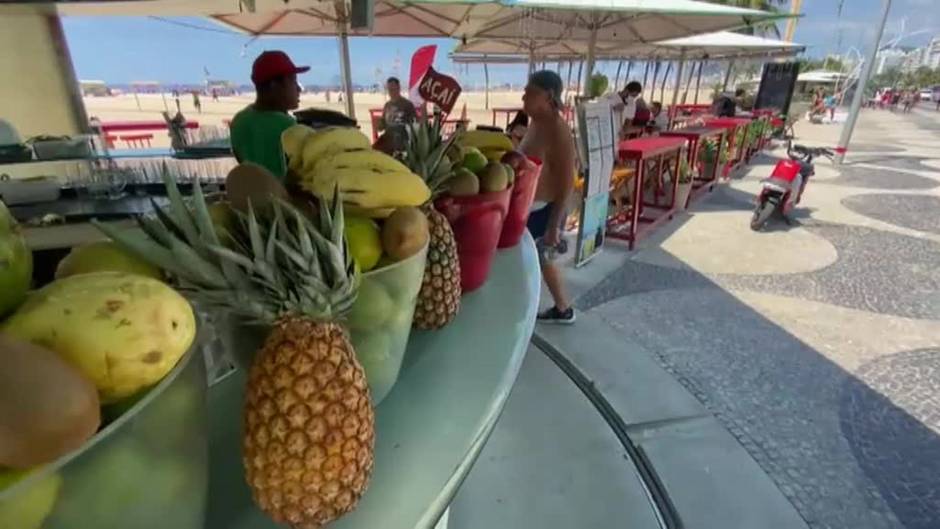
617,78
688,83
580,71
570,67
589,70
675,93
346,70
531,60
662,88
486,84
646,74
626,77
698,80
724,85
653,84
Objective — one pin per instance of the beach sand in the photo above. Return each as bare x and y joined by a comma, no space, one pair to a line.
215,113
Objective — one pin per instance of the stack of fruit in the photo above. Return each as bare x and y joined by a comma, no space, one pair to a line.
477,200
371,183
427,155
308,420
481,169
386,232
80,352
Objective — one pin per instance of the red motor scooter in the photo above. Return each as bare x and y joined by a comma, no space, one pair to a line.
784,188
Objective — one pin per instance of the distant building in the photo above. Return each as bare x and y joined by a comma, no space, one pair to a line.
146,87
888,58
221,87
932,53
94,88
913,60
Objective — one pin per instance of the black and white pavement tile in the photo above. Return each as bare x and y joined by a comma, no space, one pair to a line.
778,396
917,212
873,178
890,415
904,163
874,148
877,271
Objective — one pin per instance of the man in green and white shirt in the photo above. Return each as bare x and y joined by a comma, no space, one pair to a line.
256,129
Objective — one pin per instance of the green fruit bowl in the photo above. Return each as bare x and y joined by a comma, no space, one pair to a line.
380,320
379,324
148,469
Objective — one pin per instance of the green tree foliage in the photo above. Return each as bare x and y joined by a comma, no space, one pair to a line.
893,77
829,64
598,86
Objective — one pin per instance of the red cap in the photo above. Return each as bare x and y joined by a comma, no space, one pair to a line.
272,64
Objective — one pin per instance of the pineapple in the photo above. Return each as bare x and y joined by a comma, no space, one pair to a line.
439,298
308,422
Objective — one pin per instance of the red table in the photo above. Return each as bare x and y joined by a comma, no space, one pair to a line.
508,113
641,151
695,135
138,126
108,128
731,127
679,115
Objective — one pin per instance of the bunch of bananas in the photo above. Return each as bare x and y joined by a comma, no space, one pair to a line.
370,182
492,144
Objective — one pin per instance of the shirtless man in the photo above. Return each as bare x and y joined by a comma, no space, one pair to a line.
549,139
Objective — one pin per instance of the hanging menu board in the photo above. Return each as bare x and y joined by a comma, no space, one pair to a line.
776,86
598,149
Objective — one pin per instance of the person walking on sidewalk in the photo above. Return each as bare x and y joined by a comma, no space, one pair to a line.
550,139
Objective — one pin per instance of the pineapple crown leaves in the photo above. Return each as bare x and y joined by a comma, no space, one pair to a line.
427,152
282,263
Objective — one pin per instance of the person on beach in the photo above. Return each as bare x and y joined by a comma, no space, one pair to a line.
629,108
830,102
659,120
197,103
256,129
550,139
397,114
517,128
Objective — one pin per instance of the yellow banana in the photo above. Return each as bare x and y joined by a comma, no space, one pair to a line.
485,139
367,189
380,213
493,154
369,160
292,142
374,190
322,144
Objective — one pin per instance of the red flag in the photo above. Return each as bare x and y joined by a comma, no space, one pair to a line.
440,89
422,59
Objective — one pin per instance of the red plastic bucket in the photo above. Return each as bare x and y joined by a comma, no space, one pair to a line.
520,202
477,222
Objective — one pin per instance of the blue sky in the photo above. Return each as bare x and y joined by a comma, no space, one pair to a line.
123,49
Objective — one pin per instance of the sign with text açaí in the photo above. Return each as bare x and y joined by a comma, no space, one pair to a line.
440,89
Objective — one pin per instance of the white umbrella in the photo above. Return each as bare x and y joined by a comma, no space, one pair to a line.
715,46
710,46
530,25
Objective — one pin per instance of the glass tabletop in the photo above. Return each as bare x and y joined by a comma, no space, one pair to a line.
433,424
